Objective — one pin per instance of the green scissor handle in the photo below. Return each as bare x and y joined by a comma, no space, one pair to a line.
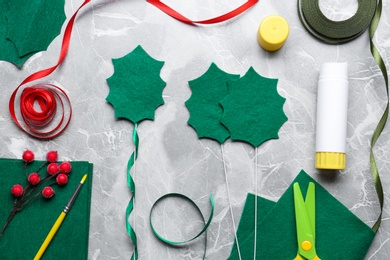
305,222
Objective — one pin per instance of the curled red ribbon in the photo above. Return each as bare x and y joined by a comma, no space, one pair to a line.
46,96
168,10
50,100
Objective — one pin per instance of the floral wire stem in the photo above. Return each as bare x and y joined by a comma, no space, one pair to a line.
40,167
23,205
25,169
43,165
10,217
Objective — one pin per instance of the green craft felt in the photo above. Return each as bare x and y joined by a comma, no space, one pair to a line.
339,233
204,107
8,51
28,229
246,223
136,87
33,25
253,109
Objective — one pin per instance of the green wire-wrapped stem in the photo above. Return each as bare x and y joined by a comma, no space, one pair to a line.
131,185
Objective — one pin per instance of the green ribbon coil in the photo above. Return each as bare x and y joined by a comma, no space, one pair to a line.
131,185
206,224
336,32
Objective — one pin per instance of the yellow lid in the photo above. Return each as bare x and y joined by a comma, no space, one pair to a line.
330,160
273,32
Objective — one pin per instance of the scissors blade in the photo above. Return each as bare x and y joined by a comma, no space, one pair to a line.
305,237
310,203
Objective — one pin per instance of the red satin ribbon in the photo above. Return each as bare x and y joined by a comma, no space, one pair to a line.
45,96
168,10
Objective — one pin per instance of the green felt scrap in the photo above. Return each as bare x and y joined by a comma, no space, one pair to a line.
32,25
28,229
339,233
136,87
253,109
204,107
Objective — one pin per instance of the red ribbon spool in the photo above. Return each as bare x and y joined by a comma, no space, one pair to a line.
39,105
46,96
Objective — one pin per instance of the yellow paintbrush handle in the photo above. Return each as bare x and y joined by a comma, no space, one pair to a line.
50,236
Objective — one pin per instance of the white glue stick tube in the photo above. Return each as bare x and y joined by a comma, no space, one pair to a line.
332,107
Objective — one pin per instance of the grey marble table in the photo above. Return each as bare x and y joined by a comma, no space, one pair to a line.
171,157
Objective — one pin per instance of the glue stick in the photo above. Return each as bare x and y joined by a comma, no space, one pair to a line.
332,106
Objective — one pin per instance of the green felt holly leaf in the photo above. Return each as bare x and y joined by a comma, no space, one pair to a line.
8,51
204,107
32,25
136,87
253,109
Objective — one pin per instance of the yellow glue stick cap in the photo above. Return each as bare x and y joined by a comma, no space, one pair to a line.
330,160
273,32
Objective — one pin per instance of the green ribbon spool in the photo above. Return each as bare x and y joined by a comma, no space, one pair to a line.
336,32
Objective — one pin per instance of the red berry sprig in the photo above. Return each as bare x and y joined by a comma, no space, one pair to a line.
57,173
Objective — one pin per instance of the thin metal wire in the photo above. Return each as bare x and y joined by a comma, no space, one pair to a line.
230,203
255,238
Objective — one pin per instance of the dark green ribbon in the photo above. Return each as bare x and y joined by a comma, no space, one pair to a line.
335,32
382,122
131,185
206,224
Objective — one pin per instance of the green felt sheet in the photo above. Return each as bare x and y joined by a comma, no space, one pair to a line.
26,232
340,235
136,87
204,107
253,109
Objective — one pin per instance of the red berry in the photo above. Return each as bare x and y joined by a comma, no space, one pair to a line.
34,178
53,168
65,167
17,190
48,192
52,156
28,156
62,179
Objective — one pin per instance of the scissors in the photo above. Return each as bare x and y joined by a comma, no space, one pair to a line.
305,222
